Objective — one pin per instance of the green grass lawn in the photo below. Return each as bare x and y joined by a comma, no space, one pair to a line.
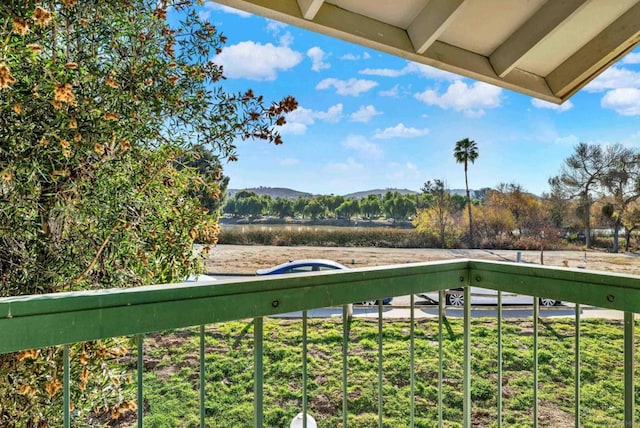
172,366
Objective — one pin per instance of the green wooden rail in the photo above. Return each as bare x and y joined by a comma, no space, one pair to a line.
28,322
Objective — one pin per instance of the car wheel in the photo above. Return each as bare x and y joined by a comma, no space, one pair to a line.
547,302
369,303
455,298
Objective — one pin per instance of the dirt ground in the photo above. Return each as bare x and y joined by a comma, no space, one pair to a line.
245,259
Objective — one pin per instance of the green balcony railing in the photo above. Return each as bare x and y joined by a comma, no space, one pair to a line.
30,322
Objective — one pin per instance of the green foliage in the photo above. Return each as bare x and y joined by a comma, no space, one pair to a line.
371,207
397,206
348,208
315,209
282,207
105,103
113,125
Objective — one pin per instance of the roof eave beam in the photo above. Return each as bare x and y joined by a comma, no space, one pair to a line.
309,8
343,24
432,21
538,27
593,58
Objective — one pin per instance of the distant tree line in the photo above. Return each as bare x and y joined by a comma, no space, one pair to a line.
597,187
391,205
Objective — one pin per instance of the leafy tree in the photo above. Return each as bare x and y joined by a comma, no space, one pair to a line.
371,207
466,151
299,206
252,206
314,209
212,194
459,202
580,175
100,100
492,220
631,221
230,207
525,209
245,194
439,216
397,206
331,202
348,208
556,207
282,207
622,182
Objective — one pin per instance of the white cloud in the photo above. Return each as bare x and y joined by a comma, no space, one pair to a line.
256,61
402,172
384,72
289,162
364,114
632,58
299,119
226,9
400,131
625,101
568,140
614,78
332,115
349,165
362,146
567,105
286,39
275,27
352,87
353,57
472,100
412,68
318,57
393,92
473,114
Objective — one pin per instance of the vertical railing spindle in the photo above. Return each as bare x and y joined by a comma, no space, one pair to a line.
536,313
257,372
202,381
140,390
345,348
412,365
441,309
304,369
629,378
380,363
576,384
499,400
466,406
66,392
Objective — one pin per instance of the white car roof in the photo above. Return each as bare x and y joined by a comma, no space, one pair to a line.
301,262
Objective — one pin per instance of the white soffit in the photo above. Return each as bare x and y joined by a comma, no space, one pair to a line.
548,49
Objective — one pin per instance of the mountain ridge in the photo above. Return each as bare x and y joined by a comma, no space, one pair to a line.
284,192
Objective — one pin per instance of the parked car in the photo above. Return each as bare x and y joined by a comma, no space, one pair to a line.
312,265
486,296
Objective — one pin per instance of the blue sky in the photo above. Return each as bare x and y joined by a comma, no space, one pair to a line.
370,120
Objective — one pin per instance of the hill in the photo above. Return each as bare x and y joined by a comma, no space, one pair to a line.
379,192
283,192
274,192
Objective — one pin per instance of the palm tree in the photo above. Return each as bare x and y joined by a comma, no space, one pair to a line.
466,151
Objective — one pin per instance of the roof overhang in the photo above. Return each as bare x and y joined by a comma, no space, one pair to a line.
546,49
